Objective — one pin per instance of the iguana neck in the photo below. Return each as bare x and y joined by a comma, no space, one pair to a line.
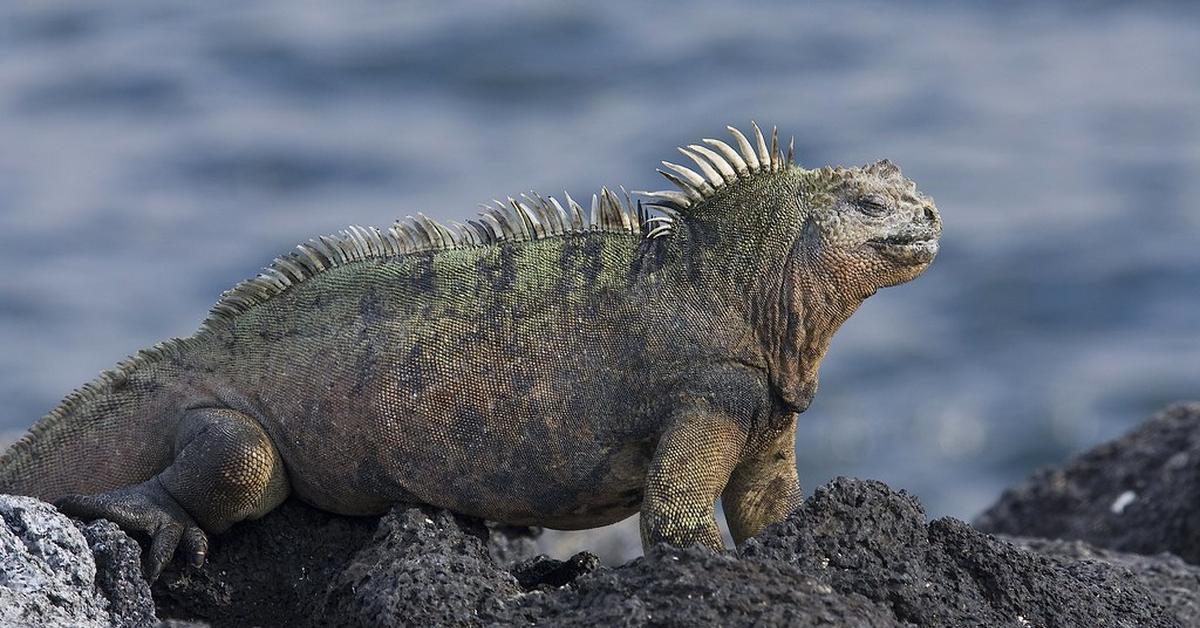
796,312
766,282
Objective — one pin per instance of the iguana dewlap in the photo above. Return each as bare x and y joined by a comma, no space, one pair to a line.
533,366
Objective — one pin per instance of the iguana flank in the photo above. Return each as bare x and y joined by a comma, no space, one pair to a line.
533,366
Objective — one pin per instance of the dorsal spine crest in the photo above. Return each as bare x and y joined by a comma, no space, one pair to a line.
530,217
719,167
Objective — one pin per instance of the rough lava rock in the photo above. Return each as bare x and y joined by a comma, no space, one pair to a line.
119,577
694,587
268,572
1176,582
1139,493
863,538
424,567
856,553
51,576
301,566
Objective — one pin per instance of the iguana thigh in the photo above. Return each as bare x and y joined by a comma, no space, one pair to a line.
225,470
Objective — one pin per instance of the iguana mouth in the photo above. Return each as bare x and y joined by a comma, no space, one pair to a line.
901,239
907,248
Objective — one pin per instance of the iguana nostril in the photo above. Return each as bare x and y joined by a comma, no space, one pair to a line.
930,215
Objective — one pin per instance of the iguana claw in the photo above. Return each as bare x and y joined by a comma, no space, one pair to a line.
149,509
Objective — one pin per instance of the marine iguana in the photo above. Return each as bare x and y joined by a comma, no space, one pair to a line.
534,366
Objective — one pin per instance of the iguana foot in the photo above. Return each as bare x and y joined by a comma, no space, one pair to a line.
149,509
225,470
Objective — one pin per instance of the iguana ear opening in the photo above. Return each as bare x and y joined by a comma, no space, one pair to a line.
810,234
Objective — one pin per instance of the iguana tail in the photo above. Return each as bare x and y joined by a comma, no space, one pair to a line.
108,434
108,451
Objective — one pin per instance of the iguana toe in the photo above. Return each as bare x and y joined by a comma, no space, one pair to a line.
162,547
195,546
148,509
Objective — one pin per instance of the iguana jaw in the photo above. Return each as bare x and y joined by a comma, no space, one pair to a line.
909,249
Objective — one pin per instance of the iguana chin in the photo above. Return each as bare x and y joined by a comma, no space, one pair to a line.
533,367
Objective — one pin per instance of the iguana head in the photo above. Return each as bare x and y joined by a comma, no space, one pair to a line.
869,225
860,229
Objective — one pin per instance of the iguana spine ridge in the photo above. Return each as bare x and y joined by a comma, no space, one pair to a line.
718,169
519,220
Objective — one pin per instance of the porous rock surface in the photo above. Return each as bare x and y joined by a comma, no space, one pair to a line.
263,573
54,572
855,554
1176,582
1139,493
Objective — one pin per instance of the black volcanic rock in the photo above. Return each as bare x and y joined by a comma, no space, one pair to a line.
424,567
1139,493
301,566
862,538
273,571
1176,582
856,553
694,587
119,578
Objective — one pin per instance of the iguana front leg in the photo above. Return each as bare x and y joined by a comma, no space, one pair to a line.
225,470
690,468
764,488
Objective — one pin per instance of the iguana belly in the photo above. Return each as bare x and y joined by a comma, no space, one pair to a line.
567,477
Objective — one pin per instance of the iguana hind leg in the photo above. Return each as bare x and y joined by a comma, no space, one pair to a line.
225,470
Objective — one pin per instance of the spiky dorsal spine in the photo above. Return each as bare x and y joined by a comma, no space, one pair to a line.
530,217
720,165
95,389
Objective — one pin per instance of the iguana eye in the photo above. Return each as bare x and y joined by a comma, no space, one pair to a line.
873,205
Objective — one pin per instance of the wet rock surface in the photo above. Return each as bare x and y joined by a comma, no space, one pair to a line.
1139,493
856,553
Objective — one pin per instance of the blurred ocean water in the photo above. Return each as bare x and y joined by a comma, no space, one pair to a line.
151,155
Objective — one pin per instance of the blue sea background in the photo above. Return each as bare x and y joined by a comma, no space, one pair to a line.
153,154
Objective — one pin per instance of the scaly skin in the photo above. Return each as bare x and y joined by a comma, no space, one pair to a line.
567,378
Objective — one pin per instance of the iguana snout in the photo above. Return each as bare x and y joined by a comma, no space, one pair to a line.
912,244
